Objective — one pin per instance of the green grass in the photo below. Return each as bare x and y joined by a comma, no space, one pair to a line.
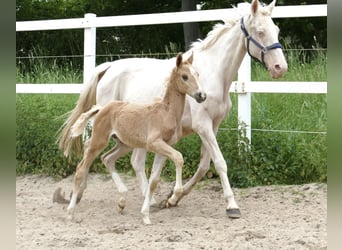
274,158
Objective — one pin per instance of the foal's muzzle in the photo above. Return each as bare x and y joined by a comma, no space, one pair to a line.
200,96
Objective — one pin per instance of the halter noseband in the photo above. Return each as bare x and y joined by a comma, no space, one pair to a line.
264,49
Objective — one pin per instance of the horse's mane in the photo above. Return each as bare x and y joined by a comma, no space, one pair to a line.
220,29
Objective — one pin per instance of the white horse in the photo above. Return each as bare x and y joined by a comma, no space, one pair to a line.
218,58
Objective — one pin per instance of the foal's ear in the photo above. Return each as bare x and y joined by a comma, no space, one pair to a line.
179,59
191,58
254,7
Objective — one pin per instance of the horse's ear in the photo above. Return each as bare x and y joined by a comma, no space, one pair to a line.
254,7
191,58
179,59
271,6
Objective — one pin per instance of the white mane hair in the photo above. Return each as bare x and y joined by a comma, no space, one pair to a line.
243,9
219,29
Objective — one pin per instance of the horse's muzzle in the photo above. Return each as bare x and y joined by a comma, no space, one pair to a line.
200,96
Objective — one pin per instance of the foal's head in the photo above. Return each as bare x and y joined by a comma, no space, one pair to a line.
187,79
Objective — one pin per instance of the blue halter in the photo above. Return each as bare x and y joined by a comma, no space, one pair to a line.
264,49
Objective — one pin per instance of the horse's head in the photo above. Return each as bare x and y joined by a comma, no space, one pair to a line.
261,38
188,82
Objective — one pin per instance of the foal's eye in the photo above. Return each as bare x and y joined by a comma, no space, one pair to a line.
185,77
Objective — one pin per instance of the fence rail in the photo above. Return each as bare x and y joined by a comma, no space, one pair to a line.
243,87
236,87
164,18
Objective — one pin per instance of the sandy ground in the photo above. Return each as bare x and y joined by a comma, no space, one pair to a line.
273,217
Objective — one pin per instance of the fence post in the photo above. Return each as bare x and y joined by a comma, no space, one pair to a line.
244,99
89,46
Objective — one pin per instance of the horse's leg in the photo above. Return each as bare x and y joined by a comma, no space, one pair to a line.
80,178
109,160
211,150
154,180
208,137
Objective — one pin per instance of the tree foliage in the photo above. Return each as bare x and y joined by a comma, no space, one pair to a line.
113,40
295,32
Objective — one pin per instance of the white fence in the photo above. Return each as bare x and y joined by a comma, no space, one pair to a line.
243,86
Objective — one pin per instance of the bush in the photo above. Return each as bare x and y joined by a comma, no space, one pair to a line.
37,123
274,158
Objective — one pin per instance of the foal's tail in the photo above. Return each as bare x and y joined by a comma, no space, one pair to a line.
79,125
86,100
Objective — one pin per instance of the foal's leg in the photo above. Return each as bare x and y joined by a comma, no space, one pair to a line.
138,160
83,185
162,149
109,160
165,149
154,180
202,169
96,145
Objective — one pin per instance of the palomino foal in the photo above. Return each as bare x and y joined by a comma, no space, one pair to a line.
153,126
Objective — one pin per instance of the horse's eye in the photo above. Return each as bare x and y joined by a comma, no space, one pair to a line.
261,34
185,77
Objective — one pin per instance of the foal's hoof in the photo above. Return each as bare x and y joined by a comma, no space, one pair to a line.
147,220
58,197
167,202
233,213
79,197
121,205
164,203
70,216
153,202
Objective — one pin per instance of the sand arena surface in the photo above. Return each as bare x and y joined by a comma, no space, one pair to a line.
273,217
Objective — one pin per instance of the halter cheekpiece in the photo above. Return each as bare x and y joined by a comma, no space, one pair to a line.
264,49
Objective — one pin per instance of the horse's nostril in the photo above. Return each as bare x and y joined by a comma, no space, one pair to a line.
277,67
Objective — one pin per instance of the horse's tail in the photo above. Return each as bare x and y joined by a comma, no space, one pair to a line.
86,100
79,125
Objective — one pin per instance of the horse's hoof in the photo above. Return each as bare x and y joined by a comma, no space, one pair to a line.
169,204
233,213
